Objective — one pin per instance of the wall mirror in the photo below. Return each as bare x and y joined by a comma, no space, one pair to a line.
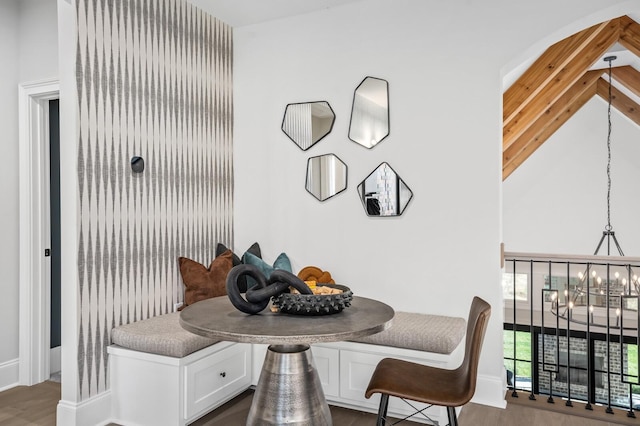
326,176
384,193
370,112
307,123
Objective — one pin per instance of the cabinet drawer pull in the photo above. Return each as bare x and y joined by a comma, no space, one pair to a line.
223,374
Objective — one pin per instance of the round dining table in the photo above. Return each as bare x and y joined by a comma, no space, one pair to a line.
289,390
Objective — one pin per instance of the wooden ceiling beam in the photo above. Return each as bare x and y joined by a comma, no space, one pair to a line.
619,101
544,70
593,44
627,76
546,125
630,34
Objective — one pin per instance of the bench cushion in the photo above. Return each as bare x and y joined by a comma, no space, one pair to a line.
422,332
161,335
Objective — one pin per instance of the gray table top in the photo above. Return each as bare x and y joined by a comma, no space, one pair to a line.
217,318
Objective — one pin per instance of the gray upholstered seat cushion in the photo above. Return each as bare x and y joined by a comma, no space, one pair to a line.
422,332
160,335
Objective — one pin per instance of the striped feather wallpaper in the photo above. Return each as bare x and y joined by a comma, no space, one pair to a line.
154,79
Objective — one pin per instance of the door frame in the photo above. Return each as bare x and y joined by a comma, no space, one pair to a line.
35,268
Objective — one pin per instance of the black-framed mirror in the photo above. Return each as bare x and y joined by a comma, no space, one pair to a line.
308,122
369,123
326,176
384,193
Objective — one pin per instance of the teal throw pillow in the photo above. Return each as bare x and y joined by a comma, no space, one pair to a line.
282,262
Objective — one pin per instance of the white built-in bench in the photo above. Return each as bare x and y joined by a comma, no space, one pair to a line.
162,374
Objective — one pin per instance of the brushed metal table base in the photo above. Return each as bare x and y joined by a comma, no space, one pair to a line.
289,390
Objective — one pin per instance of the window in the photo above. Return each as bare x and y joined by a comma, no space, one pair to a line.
515,283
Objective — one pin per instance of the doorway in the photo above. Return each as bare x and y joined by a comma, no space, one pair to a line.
39,301
55,339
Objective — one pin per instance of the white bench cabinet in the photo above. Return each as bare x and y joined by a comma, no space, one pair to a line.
151,389
168,387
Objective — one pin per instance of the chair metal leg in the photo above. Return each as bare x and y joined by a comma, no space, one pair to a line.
453,418
382,410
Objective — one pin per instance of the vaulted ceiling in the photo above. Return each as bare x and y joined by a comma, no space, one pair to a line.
560,82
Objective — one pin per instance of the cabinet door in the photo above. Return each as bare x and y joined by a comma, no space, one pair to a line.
327,363
259,352
214,378
356,370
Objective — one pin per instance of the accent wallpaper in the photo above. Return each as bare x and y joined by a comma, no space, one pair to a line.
154,79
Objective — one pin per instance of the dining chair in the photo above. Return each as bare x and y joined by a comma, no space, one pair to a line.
433,385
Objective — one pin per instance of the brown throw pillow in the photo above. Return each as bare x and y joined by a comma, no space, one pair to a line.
201,283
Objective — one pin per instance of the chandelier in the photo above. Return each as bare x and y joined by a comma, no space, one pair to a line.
599,292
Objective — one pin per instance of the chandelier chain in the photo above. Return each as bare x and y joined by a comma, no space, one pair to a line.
608,227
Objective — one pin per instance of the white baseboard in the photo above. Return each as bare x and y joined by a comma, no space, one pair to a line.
9,374
95,411
490,390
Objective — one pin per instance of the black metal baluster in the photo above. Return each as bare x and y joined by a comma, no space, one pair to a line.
590,382
568,403
625,378
514,393
557,339
609,410
554,300
631,412
534,366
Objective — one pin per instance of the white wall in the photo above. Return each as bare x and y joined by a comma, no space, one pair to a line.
9,174
28,45
38,35
556,202
444,61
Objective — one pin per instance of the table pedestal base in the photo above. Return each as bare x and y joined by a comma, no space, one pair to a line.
289,390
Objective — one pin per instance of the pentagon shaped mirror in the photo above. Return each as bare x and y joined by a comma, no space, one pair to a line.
384,193
326,176
307,123
370,112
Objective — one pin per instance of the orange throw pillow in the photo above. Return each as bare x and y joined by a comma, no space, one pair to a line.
202,283
313,273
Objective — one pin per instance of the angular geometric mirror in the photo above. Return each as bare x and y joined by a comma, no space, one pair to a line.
384,193
307,123
326,176
370,112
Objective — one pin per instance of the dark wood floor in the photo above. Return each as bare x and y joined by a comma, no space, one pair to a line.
235,413
36,406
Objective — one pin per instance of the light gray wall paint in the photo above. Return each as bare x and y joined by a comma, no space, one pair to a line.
38,35
9,31
28,45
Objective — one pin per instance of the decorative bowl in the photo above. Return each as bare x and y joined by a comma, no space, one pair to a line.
314,304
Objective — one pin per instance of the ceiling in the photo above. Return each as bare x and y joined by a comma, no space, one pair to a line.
239,13
563,78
